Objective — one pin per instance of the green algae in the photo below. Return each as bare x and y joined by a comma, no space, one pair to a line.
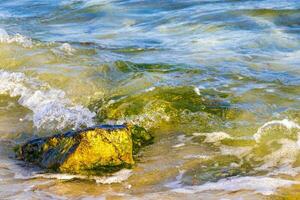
178,106
133,50
140,138
199,139
238,142
126,66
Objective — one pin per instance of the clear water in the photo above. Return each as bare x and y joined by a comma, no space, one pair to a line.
216,81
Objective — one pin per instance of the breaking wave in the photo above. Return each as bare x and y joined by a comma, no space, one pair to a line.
248,163
17,38
51,109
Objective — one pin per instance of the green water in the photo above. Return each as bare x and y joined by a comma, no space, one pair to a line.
216,82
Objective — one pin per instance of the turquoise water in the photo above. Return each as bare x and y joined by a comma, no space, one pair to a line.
217,82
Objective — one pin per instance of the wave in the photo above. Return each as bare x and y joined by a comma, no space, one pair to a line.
17,38
28,173
57,48
254,162
285,122
277,145
117,177
52,110
262,185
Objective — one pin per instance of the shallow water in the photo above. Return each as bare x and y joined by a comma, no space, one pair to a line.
216,82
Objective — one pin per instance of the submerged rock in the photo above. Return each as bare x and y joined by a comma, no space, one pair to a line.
175,108
97,150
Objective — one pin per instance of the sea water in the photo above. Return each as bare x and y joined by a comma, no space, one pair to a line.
217,82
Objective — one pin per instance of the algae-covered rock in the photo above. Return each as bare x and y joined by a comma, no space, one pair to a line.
95,150
177,107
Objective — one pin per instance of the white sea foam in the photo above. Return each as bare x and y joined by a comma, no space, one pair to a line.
17,38
236,151
214,137
117,177
278,161
262,185
197,91
283,158
148,119
51,108
285,155
178,145
197,157
286,169
285,122
150,89
67,48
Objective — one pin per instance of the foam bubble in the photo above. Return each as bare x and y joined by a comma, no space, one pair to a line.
262,185
17,38
51,108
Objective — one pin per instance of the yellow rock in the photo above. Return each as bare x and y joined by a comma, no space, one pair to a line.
91,151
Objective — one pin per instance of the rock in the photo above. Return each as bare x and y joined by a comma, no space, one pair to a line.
93,151
173,108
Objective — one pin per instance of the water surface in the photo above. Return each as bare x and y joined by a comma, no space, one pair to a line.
217,82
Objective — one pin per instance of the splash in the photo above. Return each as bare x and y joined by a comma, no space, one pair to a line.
285,133
52,110
285,123
67,48
275,144
17,38
272,152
